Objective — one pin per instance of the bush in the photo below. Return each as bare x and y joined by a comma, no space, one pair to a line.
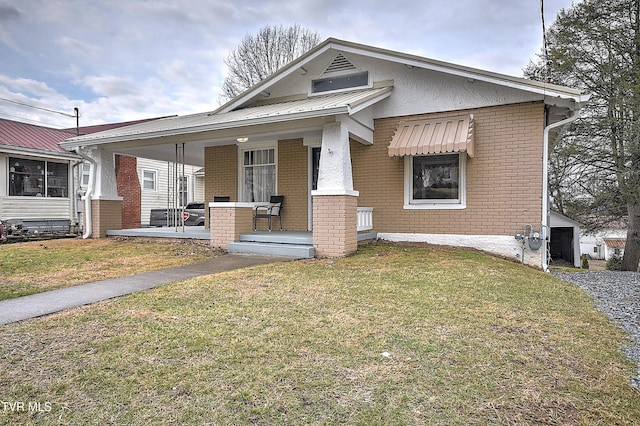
584,263
614,263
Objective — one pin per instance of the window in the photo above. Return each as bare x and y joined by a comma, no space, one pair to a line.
183,190
435,181
32,178
259,174
86,169
340,82
149,180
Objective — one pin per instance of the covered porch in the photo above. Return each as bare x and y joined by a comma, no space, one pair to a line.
299,149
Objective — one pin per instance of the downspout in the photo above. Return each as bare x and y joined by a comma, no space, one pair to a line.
545,181
87,195
76,184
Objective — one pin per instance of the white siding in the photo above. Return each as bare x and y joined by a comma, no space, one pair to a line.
35,208
159,198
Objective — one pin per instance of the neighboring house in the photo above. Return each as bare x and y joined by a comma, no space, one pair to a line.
422,150
36,176
157,185
604,243
39,180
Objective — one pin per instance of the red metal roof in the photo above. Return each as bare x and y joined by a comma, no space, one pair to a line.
15,133
615,243
31,136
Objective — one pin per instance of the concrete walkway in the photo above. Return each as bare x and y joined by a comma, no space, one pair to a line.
40,304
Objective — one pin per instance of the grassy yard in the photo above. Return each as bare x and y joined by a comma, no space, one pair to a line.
392,335
34,267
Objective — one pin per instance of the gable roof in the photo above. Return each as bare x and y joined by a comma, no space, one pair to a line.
249,108
551,91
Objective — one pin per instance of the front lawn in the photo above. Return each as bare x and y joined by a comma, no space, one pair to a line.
34,267
391,335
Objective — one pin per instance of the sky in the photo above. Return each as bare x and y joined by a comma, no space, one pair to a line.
121,60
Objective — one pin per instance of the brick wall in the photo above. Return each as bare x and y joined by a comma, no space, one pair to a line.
334,225
504,179
293,177
221,172
129,189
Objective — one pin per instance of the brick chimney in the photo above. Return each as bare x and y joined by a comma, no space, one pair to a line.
129,189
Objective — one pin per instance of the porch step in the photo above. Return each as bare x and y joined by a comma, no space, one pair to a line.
299,251
280,237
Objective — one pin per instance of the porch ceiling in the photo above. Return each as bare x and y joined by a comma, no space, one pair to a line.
284,116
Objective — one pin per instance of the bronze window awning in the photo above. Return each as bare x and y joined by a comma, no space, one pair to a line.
434,136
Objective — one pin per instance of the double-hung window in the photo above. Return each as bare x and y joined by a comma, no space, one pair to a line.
258,174
435,181
149,180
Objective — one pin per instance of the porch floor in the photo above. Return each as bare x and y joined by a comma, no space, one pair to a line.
190,232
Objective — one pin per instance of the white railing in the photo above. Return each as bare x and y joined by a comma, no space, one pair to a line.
365,218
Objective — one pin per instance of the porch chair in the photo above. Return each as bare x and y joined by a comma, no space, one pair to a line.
273,209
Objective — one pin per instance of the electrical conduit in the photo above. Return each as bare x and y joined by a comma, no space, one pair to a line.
87,196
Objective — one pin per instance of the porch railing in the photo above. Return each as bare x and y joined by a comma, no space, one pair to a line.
365,218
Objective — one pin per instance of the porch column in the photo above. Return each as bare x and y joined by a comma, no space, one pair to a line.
227,221
335,202
106,205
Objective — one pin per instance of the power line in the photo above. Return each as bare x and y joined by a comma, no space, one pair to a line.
40,108
29,121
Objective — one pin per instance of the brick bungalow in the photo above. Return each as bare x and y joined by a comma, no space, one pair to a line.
418,149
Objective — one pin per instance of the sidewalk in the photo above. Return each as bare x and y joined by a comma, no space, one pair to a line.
40,304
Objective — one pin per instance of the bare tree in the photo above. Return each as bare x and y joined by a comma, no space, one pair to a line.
258,56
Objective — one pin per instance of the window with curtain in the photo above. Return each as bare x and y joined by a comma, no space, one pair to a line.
435,181
259,174
33,178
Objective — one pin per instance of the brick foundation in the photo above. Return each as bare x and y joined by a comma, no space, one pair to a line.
334,225
105,214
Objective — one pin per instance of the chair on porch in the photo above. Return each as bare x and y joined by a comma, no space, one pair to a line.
273,209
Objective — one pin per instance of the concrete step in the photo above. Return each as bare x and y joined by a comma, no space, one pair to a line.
286,237
298,251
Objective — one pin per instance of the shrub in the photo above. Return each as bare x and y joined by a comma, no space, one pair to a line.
614,263
584,263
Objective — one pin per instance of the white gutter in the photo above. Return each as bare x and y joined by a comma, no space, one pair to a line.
87,196
545,182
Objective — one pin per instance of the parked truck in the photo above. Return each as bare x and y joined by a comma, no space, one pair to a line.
193,214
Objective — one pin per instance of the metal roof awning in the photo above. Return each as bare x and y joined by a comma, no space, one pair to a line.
434,136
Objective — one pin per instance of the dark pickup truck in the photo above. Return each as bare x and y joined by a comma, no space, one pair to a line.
193,216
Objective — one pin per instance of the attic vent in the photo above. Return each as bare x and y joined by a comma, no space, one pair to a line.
340,63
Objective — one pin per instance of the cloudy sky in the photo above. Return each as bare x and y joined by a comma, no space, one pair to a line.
120,60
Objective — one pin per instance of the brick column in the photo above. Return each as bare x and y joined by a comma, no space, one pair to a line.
334,225
227,221
105,215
